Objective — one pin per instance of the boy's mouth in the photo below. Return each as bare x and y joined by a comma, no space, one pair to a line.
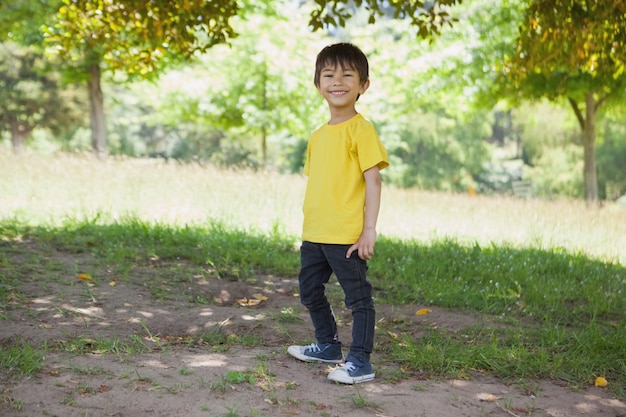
338,93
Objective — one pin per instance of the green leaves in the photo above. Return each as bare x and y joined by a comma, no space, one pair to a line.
574,50
31,94
569,40
428,17
137,36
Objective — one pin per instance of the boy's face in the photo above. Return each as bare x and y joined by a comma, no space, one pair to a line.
340,86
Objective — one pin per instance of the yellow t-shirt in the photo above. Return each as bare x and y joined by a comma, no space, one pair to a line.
334,202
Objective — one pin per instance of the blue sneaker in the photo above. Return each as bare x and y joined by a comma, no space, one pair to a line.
325,352
350,373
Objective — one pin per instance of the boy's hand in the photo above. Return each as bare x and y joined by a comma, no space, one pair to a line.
365,245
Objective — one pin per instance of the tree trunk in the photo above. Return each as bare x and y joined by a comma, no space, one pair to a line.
587,124
96,108
19,133
589,138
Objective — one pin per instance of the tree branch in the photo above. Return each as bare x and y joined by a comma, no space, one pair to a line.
577,112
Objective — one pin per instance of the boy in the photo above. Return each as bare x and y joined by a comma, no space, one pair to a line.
340,208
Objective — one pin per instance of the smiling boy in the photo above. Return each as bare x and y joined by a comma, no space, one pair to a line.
341,204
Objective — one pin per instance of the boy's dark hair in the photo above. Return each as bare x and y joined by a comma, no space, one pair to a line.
345,55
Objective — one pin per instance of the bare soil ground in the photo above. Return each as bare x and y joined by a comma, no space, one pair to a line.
182,376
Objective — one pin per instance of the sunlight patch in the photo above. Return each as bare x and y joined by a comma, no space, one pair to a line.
213,361
90,311
248,317
611,402
586,408
156,364
45,300
459,383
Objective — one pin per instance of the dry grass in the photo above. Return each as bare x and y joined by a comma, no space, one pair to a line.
49,188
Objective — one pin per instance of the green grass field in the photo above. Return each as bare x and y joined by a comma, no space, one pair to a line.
549,274
49,190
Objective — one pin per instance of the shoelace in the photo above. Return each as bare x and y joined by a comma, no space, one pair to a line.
349,367
314,347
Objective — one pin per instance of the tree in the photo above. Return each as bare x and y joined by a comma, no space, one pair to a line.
134,36
31,95
247,103
263,79
137,37
574,49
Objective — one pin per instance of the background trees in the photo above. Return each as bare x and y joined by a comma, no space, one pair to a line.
574,50
31,95
135,37
140,38
231,83
32,92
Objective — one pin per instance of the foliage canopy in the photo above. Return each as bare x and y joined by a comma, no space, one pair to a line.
428,17
567,48
134,35
574,50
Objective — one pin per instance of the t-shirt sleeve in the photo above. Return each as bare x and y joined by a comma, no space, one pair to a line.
370,149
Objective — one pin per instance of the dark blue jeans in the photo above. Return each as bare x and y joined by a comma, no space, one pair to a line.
318,262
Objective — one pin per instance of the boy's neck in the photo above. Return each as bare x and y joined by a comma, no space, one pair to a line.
337,117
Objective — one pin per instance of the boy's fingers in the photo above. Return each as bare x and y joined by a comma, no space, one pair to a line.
366,253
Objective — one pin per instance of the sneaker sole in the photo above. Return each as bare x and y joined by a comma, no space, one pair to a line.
295,352
344,378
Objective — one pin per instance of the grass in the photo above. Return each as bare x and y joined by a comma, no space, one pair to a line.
360,402
231,378
576,356
547,276
49,190
20,357
548,285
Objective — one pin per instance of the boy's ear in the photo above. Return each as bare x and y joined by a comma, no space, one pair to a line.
364,87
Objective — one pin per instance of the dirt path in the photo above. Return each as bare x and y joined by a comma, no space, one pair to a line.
185,375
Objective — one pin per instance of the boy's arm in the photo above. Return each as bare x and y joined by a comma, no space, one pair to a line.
365,244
